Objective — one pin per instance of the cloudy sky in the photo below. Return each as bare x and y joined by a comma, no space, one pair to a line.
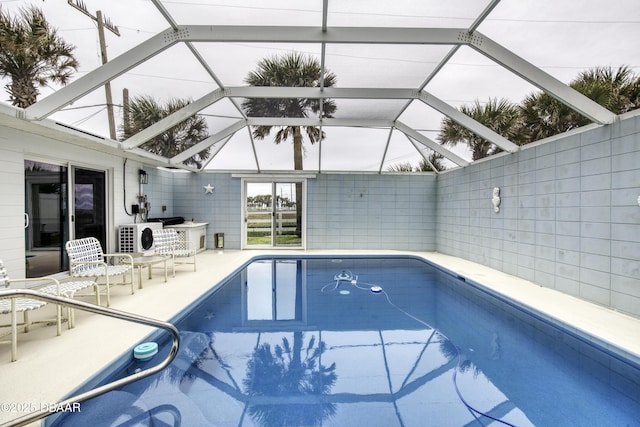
562,37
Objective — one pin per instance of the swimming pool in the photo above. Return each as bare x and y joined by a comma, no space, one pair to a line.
356,341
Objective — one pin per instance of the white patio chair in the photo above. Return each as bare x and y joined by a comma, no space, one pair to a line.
169,242
17,305
86,259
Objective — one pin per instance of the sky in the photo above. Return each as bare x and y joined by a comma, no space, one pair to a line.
562,37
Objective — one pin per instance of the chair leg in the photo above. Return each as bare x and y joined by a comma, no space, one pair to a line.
124,280
14,331
96,288
70,312
59,320
108,293
27,322
71,317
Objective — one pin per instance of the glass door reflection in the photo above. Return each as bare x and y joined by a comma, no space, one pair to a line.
89,191
275,291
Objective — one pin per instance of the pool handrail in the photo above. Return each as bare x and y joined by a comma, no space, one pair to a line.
118,314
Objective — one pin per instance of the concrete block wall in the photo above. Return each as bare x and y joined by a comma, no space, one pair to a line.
569,216
160,192
222,209
344,211
350,211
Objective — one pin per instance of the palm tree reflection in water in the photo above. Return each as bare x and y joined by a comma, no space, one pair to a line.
286,384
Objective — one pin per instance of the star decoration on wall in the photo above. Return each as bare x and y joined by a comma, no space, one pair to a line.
208,189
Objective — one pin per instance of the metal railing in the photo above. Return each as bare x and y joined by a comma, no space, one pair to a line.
34,416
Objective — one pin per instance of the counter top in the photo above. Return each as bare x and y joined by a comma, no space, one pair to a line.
188,224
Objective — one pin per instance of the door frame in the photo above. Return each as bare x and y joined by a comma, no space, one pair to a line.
71,167
273,179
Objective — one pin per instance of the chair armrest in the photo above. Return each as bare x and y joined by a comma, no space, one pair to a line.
42,281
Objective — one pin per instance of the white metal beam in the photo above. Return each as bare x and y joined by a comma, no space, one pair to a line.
539,78
165,13
468,122
425,158
207,33
412,133
208,142
101,75
216,149
317,92
293,34
310,121
386,149
172,120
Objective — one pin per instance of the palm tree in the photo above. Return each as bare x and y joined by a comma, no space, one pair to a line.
401,167
283,374
290,70
435,159
145,111
32,55
501,116
617,91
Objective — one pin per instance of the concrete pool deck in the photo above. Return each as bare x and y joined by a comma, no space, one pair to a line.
49,367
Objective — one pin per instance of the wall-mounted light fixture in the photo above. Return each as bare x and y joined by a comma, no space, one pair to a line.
144,178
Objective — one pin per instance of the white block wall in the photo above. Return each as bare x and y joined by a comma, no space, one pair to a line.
569,217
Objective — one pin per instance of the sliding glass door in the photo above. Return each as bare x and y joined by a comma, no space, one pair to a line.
46,218
48,224
273,214
89,211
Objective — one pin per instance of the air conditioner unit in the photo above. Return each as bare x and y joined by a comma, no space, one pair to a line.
137,237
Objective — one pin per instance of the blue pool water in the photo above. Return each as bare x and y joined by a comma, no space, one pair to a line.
367,342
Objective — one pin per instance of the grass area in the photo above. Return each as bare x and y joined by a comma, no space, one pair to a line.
267,225
287,239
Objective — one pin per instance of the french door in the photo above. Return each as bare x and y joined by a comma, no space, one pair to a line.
273,214
61,202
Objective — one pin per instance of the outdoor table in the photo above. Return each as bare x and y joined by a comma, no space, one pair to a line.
141,260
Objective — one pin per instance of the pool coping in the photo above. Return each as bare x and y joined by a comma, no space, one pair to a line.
36,373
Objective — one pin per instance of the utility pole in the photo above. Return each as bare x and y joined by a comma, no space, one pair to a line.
102,24
125,113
